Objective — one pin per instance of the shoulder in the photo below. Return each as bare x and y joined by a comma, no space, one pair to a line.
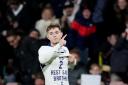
44,48
56,20
39,22
65,49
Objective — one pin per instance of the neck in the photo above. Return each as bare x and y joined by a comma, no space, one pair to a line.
53,44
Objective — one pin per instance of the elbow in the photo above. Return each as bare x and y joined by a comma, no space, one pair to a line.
45,54
44,58
41,60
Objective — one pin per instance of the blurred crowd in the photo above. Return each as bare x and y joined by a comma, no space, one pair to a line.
97,35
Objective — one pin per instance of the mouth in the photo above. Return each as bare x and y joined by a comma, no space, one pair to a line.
55,38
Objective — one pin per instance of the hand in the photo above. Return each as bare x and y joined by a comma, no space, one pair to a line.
63,41
63,19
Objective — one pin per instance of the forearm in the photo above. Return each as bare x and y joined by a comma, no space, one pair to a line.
48,54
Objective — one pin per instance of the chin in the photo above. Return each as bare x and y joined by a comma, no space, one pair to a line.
56,42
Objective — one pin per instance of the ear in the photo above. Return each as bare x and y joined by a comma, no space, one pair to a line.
47,36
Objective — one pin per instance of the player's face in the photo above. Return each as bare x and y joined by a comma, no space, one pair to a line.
54,35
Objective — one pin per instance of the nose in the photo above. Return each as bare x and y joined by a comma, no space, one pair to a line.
54,34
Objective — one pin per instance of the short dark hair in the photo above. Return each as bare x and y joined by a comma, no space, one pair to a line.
34,29
39,75
52,26
94,65
48,8
76,51
12,33
14,2
68,4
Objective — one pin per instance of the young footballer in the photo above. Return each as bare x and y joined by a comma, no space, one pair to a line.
56,57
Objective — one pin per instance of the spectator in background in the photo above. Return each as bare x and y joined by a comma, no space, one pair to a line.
39,79
78,69
26,54
67,13
83,33
34,33
83,19
19,16
4,56
106,48
69,10
119,57
95,69
121,12
47,18
105,51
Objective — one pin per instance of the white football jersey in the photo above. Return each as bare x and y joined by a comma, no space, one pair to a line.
56,61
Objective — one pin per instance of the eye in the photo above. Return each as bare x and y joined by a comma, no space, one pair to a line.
57,32
51,33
